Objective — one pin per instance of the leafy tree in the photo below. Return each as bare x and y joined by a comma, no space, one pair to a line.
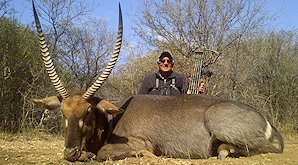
261,71
128,77
182,26
4,8
79,47
84,55
21,75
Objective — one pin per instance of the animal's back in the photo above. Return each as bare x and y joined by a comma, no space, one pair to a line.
171,125
190,126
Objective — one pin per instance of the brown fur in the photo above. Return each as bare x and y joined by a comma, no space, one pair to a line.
184,126
187,127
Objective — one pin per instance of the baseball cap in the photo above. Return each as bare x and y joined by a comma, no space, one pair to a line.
165,54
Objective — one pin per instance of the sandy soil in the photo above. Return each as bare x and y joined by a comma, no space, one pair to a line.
47,149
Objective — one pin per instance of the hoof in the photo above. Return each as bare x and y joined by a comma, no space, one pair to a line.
86,156
223,154
225,150
143,153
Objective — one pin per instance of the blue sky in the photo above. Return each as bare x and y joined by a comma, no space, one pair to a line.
285,11
106,9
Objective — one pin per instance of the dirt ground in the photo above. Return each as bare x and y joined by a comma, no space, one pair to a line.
47,149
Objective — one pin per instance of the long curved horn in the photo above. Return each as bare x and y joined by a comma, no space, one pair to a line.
47,58
105,74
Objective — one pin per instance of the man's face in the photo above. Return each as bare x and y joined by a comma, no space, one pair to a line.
165,65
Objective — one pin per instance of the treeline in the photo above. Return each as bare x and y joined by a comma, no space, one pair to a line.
254,65
22,76
260,71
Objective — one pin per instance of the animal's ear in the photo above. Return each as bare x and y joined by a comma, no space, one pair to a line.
108,107
52,103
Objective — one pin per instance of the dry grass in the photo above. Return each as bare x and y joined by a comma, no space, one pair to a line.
42,148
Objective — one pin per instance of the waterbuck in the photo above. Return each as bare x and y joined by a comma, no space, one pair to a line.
182,126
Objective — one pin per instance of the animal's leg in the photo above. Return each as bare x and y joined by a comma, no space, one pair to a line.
86,156
116,151
143,153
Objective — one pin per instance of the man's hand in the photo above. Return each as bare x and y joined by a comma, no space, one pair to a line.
201,88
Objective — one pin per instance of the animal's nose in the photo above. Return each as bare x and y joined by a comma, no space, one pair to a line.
71,154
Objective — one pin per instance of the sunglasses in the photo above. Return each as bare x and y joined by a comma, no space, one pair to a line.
163,61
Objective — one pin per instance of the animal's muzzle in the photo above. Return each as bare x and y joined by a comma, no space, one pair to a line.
72,154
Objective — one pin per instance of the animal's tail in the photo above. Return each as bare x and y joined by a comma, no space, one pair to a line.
276,135
275,141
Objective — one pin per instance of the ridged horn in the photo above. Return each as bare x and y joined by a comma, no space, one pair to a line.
105,74
47,58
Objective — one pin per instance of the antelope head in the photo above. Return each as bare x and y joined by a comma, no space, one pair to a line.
79,111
